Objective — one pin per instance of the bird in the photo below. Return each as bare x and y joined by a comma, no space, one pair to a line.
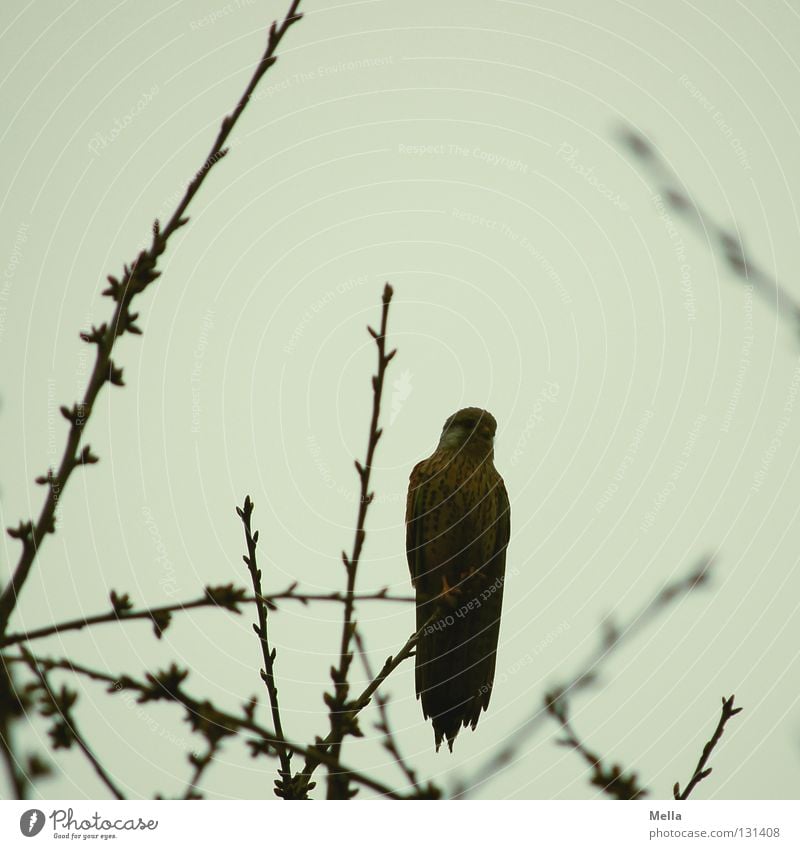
458,523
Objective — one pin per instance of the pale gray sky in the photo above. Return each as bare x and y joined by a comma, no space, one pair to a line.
467,153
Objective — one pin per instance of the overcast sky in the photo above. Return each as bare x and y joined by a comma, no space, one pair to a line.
647,397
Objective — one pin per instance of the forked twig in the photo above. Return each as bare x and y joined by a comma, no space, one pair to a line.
700,771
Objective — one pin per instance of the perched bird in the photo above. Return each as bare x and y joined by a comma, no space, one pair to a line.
458,522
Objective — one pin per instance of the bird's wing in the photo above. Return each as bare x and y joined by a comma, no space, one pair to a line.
487,636
414,512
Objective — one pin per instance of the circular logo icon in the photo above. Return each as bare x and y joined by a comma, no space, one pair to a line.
31,822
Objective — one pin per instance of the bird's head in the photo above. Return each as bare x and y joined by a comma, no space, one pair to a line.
470,429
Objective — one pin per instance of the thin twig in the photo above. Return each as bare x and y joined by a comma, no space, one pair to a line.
612,781
134,280
66,730
384,726
355,707
227,598
284,785
700,771
337,702
204,717
613,638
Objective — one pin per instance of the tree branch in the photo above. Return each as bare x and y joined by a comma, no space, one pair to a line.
342,718
613,782
700,771
728,243
384,726
354,707
16,778
134,280
200,763
613,638
283,786
65,730
204,717
227,597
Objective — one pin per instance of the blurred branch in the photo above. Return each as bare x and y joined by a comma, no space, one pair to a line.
342,718
283,786
16,778
204,717
613,637
728,243
13,706
200,763
227,597
700,771
613,782
134,280
64,731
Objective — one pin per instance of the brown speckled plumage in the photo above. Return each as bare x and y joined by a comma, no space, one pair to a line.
457,530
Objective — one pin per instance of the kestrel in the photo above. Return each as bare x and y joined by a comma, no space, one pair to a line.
458,523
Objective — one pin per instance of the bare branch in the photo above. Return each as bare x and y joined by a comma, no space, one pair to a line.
700,771
354,707
204,717
200,763
65,730
13,705
342,718
283,786
726,242
612,639
384,726
611,781
134,280
226,597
